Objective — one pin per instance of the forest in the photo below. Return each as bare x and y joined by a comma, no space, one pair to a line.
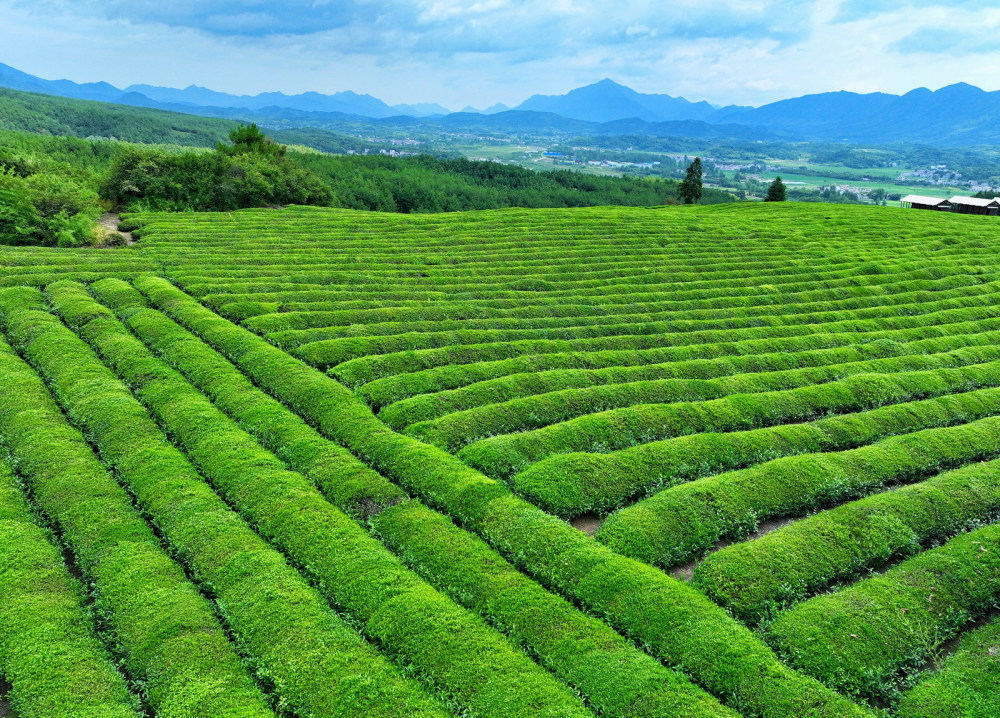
53,188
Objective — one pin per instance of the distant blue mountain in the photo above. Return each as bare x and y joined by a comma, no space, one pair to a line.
957,115
346,102
17,80
606,101
193,97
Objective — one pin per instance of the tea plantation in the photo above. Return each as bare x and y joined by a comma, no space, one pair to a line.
692,462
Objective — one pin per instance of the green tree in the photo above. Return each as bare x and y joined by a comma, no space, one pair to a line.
878,195
248,139
690,189
45,209
776,192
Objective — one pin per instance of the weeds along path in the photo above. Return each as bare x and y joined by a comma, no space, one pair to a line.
346,446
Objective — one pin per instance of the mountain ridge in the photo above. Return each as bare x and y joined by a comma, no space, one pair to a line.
956,115
607,100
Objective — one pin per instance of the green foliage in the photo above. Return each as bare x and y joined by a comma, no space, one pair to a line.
857,639
249,140
614,677
171,640
297,642
776,191
757,578
44,626
46,114
251,174
684,521
45,209
690,190
738,404
676,623
805,371
965,682
425,184
452,649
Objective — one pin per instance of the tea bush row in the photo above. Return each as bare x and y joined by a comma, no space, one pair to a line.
49,653
317,663
616,678
462,657
858,639
755,578
684,521
170,638
677,623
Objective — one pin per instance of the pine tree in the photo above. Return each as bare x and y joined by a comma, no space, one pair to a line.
776,192
689,190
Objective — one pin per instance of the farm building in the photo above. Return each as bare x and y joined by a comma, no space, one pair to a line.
975,205
916,201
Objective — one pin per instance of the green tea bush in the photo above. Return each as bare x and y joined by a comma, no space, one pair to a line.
614,677
755,578
462,657
571,484
48,650
167,631
691,406
684,521
857,639
676,623
692,345
965,682
314,659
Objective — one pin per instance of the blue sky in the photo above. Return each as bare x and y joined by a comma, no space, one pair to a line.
485,51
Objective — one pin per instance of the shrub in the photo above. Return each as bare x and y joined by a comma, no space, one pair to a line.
44,627
677,623
857,639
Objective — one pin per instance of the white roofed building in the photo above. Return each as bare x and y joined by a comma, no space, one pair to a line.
916,201
975,205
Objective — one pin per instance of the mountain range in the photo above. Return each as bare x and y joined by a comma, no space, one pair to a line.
957,115
606,101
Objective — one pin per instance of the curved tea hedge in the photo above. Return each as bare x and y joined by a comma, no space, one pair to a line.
966,682
686,630
615,678
427,465
858,638
755,578
48,648
681,522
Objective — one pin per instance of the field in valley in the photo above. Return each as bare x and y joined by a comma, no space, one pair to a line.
697,462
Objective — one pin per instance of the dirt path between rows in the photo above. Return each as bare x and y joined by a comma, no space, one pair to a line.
110,222
4,702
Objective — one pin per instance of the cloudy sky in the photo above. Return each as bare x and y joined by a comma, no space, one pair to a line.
484,51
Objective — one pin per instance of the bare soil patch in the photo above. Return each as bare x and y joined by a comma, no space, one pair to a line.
685,571
5,709
70,560
110,222
588,523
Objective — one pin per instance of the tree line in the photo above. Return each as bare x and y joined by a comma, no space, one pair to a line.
52,189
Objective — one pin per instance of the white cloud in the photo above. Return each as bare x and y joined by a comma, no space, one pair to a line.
480,52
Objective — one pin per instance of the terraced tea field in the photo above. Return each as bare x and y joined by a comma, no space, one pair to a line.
701,462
